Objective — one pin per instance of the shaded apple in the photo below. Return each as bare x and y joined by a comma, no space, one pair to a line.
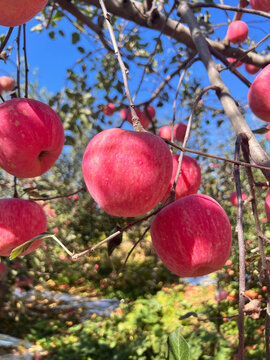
127,172
18,12
263,5
189,180
31,137
125,114
192,236
237,64
258,95
267,205
233,198
20,221
2,268
237,32
179,131
108,109
268,132
151,111
6,83
252,69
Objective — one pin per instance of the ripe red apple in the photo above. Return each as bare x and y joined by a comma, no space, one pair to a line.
127,172
109,109
179,131
18,12
165,132
267,205
263,5
268,132
6,83
189,180
145,121
31,137
252,69
233,198
151,111
20,221
192,236
237,32
232,60
258,95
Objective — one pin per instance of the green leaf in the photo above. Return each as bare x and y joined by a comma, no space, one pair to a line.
75,37
20,249
178,348
262,130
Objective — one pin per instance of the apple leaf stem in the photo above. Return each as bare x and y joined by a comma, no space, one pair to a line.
135,119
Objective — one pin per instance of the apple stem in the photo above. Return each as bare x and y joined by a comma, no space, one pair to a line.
62,245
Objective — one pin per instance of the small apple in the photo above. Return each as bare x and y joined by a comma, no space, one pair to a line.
233,198
165,132
109,109
189,180
20,221
31,137
7,83
192,236
221,295
267,205
252,69
258,98
263,5
232,60
179,131
18,12
151,111
127,172
237,32
125,114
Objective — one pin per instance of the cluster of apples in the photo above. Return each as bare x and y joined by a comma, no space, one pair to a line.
128,173
31,140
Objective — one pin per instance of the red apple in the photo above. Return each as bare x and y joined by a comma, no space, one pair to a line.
109,109
258,95
237,32
267,205
6,83
165,132
263,5
18,12
232,60
127,172
252,69
189,180
233,198
179,131
151,111
20,221
125,114
2,268
192,236
221,295
268,132
31,137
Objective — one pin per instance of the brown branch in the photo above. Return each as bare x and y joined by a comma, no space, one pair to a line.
26,69
58,196
231,110
3,44
18,61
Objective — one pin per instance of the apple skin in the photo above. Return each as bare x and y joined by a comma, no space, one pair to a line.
258,95
179,131
31,137
237,32
109,109
192,236
151,111
252,69
7,83
232,60
127,172
145,121
189,180
165,132
20,221
268,133
233,198
263,5
18,12
267,205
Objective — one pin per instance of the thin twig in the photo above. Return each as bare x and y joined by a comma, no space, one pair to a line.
58,196
3,44
135,120
18,61
241,246
26,69
15,193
